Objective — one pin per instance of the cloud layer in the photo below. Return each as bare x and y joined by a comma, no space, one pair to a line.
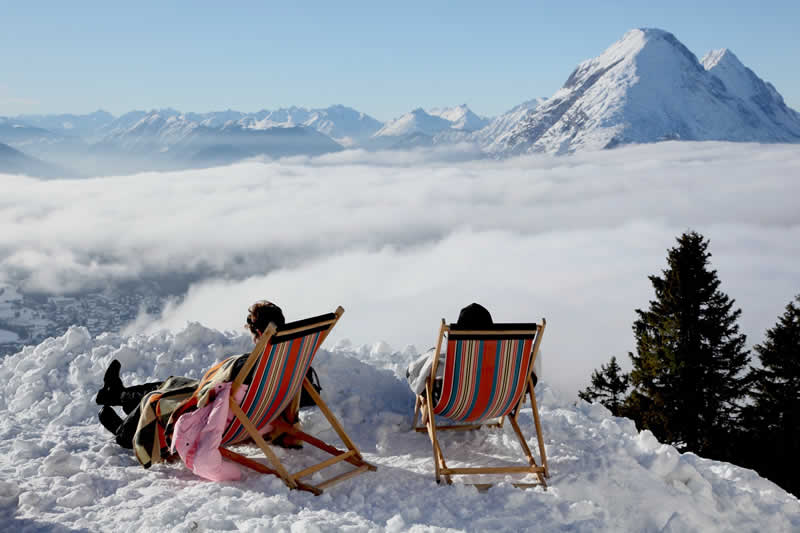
404,239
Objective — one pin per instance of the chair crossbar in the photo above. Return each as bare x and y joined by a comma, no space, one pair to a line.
324,464
341,477
463,427
493,470
282,333
497,326
486,333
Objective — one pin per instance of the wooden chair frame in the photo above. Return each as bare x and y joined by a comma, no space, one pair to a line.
424,406
294,480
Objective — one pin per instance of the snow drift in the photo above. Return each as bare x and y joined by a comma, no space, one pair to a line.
61,471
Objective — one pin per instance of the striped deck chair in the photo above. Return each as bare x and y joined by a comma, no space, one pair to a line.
486,378
279,363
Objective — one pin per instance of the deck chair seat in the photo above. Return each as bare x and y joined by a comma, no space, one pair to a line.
277,369
485,380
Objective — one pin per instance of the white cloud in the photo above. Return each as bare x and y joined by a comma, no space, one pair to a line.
404,239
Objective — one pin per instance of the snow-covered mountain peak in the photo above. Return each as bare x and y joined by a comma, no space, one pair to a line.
648,87
637,41
648,49
737,78
414,122
759,96
461,117
723,57
156,117
341,123
456,122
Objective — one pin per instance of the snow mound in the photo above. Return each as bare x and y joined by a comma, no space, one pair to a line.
61,471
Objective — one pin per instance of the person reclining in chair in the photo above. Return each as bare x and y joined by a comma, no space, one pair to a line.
114,393
473,316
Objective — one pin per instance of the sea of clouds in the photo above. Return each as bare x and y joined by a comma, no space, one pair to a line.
403,239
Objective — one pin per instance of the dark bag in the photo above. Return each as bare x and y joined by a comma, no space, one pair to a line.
305,397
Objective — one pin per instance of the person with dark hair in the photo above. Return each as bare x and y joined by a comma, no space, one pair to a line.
115,393
473,316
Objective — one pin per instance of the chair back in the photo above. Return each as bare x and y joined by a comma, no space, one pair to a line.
277,367
486,370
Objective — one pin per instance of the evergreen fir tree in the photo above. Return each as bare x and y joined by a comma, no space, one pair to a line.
773,418
609,386
687,371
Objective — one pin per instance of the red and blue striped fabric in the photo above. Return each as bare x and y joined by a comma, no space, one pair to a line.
277,377
483,378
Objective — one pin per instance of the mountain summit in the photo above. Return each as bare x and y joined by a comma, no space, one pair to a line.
649,87
760,97
460,117
414,122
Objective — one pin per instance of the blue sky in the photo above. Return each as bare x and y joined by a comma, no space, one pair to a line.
381,59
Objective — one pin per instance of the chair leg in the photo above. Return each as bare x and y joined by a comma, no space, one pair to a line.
332,420
438,456
538,424
525,448
416,413
256,436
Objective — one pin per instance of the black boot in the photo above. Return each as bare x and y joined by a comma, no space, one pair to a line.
112,386
110,419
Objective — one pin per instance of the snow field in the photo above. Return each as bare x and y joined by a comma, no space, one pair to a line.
59,469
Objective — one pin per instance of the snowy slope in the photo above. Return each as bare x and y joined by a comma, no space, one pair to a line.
156,131
649,87
504,123
121,123
61,471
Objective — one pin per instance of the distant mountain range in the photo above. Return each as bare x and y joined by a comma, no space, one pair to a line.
645,88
